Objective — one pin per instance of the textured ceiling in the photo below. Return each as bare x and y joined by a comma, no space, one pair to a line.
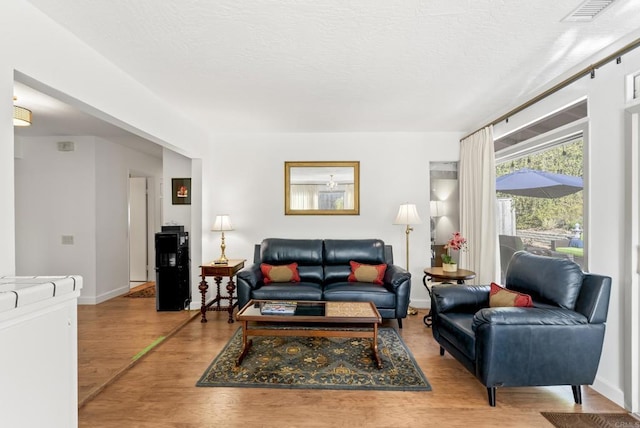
342,65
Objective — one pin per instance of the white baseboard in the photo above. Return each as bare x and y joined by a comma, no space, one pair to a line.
420,303
611,392
95,300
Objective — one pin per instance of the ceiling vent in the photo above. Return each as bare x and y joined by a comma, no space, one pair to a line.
588,11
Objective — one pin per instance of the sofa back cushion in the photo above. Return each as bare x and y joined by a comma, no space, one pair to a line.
546,279
307,253
339,252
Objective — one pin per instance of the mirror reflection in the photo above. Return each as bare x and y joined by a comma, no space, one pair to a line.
326,188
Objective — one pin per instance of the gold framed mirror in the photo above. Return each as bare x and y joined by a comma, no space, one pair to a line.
322,188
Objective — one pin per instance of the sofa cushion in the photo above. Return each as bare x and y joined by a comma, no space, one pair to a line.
361,272
342,251
282,251
281,273
288,291
500,296
307,253
545,279
360,292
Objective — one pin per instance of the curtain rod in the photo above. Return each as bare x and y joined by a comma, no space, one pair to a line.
580,74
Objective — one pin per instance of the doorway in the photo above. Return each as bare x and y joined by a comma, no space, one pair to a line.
138,214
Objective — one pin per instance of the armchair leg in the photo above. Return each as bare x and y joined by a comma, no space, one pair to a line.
399,322
491,393
441,351
577,394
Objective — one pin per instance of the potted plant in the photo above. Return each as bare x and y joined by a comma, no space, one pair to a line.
457,243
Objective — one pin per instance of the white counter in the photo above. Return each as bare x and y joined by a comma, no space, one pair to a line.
39,351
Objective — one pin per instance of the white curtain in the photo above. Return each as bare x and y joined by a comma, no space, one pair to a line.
304,197
477,178
349,197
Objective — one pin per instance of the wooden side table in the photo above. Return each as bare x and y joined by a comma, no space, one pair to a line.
218,272
436,272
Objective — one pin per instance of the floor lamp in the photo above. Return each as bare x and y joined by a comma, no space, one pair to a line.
408,215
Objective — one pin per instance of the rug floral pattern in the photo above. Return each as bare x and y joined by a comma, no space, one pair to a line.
322,363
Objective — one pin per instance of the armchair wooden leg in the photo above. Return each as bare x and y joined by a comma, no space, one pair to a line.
491,393
399,322
577,394
441,351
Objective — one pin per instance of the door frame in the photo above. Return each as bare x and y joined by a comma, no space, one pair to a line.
151,221
632,264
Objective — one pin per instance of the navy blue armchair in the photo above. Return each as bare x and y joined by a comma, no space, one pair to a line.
558,341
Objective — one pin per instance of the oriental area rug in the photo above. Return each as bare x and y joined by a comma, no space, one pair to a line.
317,363
592,420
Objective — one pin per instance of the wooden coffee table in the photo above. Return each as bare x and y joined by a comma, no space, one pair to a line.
325,317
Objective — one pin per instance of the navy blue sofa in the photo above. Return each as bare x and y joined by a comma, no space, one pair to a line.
324,267
558,341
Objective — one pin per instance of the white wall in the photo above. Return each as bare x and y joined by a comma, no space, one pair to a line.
174,165
113,164
606,183
83,193
55,196
247,182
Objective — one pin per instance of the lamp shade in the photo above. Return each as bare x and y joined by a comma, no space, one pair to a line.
222,223
407,214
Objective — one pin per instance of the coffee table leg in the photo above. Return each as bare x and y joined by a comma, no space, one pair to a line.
246,344
375,346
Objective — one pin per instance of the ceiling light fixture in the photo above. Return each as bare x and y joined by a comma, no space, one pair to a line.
331,184
21,115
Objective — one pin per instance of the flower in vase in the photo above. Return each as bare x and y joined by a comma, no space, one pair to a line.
458,243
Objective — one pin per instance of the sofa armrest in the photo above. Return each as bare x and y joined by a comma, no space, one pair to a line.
527,316
248,279
593,300
535,346
396,276
398,281
251,276
459,298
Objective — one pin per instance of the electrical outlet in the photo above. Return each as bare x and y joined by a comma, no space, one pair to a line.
67,239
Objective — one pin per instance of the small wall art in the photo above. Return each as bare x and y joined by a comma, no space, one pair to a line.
181,191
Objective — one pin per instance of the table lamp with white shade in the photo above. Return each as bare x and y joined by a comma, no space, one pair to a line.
222,223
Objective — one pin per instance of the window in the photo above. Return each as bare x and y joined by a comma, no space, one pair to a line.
543,220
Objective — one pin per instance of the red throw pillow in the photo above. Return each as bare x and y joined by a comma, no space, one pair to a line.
281,273
500,297
361,272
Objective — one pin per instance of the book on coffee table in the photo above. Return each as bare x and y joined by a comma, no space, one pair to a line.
278,308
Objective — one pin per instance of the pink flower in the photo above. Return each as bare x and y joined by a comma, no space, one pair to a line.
457,242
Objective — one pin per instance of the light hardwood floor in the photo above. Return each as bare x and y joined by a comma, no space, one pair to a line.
112,333
159,390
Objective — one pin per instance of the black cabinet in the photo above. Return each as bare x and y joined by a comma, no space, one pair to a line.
173,289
